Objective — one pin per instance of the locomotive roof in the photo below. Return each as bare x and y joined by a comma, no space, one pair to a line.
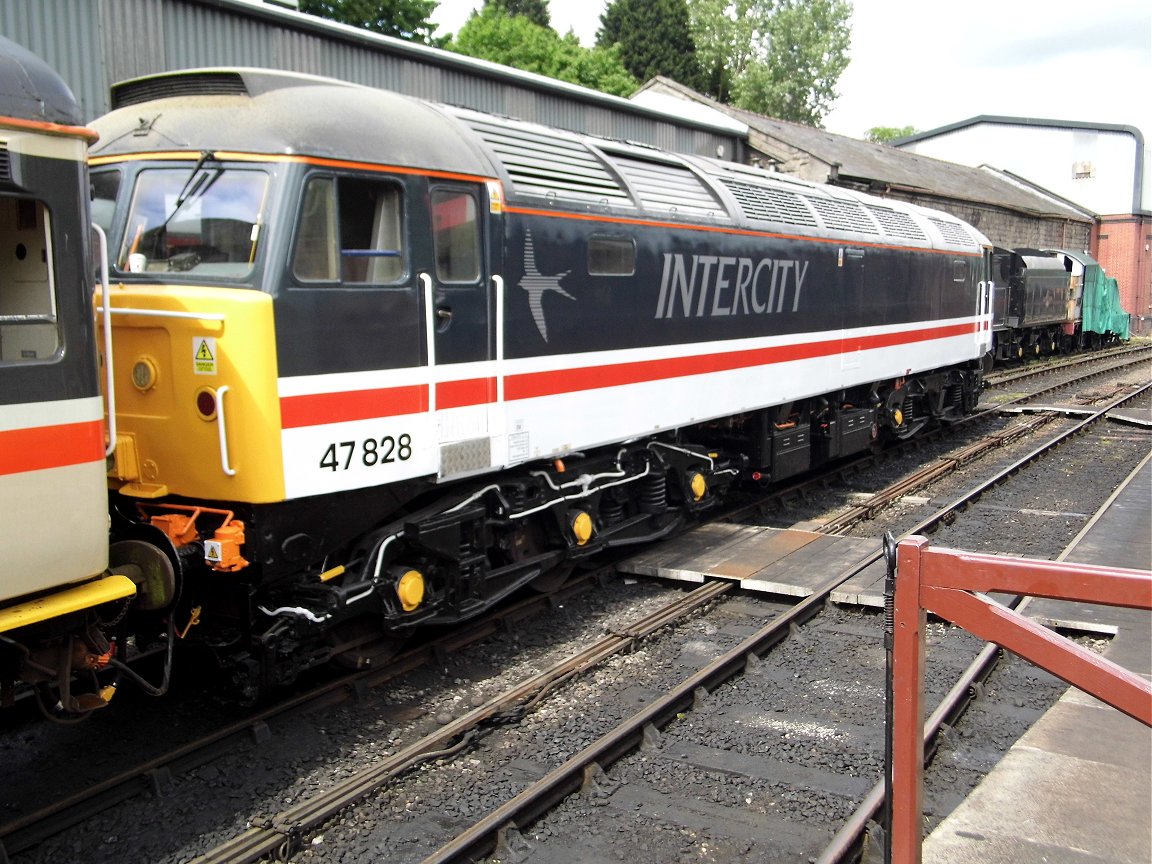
265,111
31,90
282,113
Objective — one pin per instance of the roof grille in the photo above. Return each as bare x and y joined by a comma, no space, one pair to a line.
953,232
770,205
897,224
167,86
666,188
547,162
843,215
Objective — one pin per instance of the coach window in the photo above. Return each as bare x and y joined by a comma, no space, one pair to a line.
28,328
456,232
611,256
350,231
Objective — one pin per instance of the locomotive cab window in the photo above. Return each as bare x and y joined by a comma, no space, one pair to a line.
611,256
456,232
205,218
28,328
350,231
105,186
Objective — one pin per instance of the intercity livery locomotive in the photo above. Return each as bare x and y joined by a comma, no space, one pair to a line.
377,363
56,592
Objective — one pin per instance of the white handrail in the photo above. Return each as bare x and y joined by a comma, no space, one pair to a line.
222,428
109,380
164,313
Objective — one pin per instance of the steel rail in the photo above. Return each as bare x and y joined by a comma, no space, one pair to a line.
36,827
276,836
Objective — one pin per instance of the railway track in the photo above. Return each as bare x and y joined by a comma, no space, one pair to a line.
279,833
1127,354
503,827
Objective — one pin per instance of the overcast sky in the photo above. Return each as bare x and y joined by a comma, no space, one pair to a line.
925,64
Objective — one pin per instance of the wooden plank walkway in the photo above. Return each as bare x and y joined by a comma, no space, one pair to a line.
783,561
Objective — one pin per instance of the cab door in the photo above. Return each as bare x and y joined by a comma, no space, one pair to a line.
456,281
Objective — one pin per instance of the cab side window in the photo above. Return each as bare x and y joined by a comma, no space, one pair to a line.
28,325
456,235
351,231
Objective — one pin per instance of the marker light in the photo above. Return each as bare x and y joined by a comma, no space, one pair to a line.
206,403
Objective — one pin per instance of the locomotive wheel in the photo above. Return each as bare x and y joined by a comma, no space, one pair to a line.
551,580
151,570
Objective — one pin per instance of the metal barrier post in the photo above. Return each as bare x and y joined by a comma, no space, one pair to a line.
942,581
907,746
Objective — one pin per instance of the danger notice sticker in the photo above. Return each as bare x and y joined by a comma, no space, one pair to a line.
204,355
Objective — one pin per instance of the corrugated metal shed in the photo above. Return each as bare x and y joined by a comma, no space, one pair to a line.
96,43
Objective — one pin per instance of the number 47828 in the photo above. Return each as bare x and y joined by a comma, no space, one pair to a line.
343,455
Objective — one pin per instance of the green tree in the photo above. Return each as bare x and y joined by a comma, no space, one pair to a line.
884,134
535,11
777,57
404,19
516,41
654,38
807,52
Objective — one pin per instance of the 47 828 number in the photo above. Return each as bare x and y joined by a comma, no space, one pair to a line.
342,455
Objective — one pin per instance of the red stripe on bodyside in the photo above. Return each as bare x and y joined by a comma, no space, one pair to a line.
51,446
571,380
460,394
321,408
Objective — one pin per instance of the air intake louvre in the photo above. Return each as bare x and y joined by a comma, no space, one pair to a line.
5,163
164,87
547,163
843,215
953,232
770,205
897,224
665,188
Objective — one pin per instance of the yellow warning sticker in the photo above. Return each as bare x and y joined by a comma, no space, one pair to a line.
204,355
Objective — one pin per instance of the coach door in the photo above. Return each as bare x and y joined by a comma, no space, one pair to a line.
456,286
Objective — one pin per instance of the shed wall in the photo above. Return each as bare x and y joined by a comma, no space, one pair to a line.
95,43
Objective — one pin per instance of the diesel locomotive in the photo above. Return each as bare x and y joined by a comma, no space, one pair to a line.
376,363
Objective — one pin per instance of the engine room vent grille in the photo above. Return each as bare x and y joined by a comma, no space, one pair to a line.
665,188
897,224
953,232
548,163
843,215
5,163
770,205
163,87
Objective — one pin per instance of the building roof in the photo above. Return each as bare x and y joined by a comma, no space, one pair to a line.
999,120
881,167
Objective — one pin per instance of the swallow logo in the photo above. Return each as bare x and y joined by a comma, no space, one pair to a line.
536,283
